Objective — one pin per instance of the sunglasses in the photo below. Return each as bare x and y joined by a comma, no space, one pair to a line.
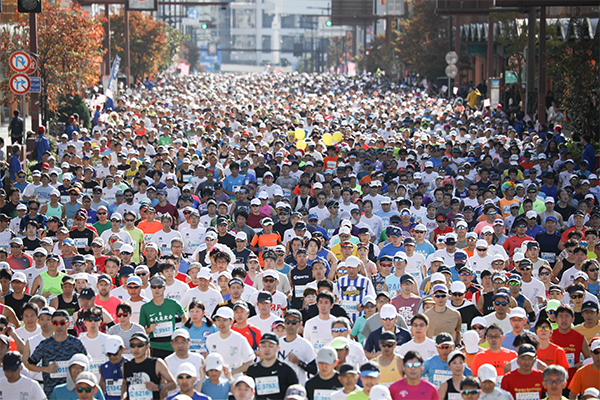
126,253
440,296
501,303
469,391
138,345
101,213
387,345
60,323
94,319
84,389
121,315
270,280
577,296
596,352
415,364
292,322
142,274
386,265
522,226
544,328
156,286
457,294
420,231
514,283
339,330
593,270
488,234
479,328
444,346
484,249
15,246
130,220
544,273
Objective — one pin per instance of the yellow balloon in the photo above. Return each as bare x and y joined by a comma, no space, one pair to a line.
300,134
301,144
327,139
338,137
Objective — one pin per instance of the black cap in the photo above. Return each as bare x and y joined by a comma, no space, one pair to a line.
348,369
370,366
293,313
554,287
87,293
264,296
4,217
78,259
387,337
12,361
407,278
533,245
362,231
444,268
386,259
301,225
126,270
269,337
589,305
142,337
67,278
444,338
527,349
240,304
410,241
332,203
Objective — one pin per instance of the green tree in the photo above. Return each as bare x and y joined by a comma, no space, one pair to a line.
574,66
380,55
190,53
422,40
175,39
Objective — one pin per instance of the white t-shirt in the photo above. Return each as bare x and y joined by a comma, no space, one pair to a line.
504,324
211,298
478,264
174,362
414,266
95,348
263,324
163,241
23,389
302,349
26,335
533,289
427,348
136,307
356,354
176,290
31,273
318,331
235,349
192,238
567,278
125,237
279,305
375,223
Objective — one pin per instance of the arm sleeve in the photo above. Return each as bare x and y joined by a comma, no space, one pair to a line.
311,367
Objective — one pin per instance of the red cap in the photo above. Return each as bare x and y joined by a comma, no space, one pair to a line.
558,127
46,165
41,129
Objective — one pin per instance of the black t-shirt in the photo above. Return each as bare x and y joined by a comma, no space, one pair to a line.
90,185
30,245
327,387
10,209
281,228
88,234
467,313
229,303
15,304
228,240
260,171
566,212
272,382
241,256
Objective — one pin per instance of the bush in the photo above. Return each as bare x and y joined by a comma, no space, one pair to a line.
70,105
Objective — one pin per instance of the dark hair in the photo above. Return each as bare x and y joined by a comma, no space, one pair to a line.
422,317
197,304
163,266
60,313
526,338
325,283
494,326
239,272
92,312
470,381
124,306
326,295
114,259
30,306
589,263
411,354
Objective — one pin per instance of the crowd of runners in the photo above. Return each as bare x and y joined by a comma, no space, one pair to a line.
294,236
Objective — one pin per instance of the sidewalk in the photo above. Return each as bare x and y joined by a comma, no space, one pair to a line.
4,130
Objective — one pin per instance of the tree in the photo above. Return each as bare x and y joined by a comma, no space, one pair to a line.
70,51
423,40
190,53
513,38
380,55
148,42
175,39
573,66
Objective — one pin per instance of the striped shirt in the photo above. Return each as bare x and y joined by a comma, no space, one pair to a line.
351,293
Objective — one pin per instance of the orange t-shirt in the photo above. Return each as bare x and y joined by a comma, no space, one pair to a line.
330,163
553,355
150,228
584,378
498,360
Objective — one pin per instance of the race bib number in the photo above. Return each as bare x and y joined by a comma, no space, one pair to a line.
349,305
197,344
528,396
186,178
547,256
139,392
287,192
147,238
5,246
454,396
259,181
61,372
163,329
267,385
299,291
322,394
70,223
440,377
463,328
113,387
571,359
95,365
321,343
80,243
65,199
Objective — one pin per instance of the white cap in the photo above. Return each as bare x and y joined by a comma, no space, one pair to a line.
386,200
214,361
429,164
471,341
458,287
481,243
420,227
479,321
531,214
187,369
388,311
487,228
126,248
184,333
224,312
113,343
487,372
19,276
549,199
462,223
518,256
353,262
255,202
581,274
204,273
241,236
344,230
380,392
460,178
518,312
438,277
263,194
595,345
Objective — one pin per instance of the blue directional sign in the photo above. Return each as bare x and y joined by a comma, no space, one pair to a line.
193,13
36,84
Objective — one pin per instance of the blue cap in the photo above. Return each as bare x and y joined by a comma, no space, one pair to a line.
312,216
551,218
69,242
460,256
394,231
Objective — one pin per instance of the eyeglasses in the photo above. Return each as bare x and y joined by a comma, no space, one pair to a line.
501,303
440,295
60,323
543,328
156,286
387,345
469,391
415,364
479,328
291,322
84,389
138,345
121,315
577,296
444,346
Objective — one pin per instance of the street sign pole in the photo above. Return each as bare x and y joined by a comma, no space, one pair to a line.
34,97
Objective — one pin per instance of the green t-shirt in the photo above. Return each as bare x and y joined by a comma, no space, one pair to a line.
358,395
137,236
102,228
165,317
164,140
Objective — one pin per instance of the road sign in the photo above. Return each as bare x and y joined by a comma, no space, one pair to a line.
32,67
19,83
19,61
451,71
451,57
193,13
36,84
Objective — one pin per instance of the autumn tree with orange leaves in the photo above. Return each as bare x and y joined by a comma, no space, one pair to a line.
70,51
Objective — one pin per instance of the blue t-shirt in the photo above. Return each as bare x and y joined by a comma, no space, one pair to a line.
196,396
216,392
230,182
389,250
198,335
437,371
508,340
424,248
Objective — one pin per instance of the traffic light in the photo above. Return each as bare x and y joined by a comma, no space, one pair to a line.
29,6
204,26
328,23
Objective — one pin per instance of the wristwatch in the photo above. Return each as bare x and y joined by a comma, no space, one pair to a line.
160,387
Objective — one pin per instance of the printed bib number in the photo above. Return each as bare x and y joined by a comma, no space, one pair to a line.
139,392
571,359
349,305
299,291
61,372
550,257
163,329
322,394
113,388
147,238
95,365
287,192
528,396
267,385
80,243
454,396
440,377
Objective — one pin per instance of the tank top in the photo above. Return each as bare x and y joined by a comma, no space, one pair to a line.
69,307
452,393
299,279
53,212
52,284
80,326
137,374
113,376
566,265
520,300
488,306
390,373
302,203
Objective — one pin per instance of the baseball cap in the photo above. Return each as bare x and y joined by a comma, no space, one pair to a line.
113,343
88,378
527,350
487,372
264,297
134,279
214,361
340,342
439,288
327,355
348,368
388,311
187,368
444,338
380,392
517,312
270,337
87,293
245,379
370,368
224,312
184,333
296,392
12,361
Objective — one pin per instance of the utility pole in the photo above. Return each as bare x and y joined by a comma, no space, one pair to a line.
34,97
126,34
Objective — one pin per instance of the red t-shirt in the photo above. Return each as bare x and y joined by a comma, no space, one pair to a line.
100,264
110,306
553,355
497,360
515,382
251,333
439,232
565,236
571,343
514,242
